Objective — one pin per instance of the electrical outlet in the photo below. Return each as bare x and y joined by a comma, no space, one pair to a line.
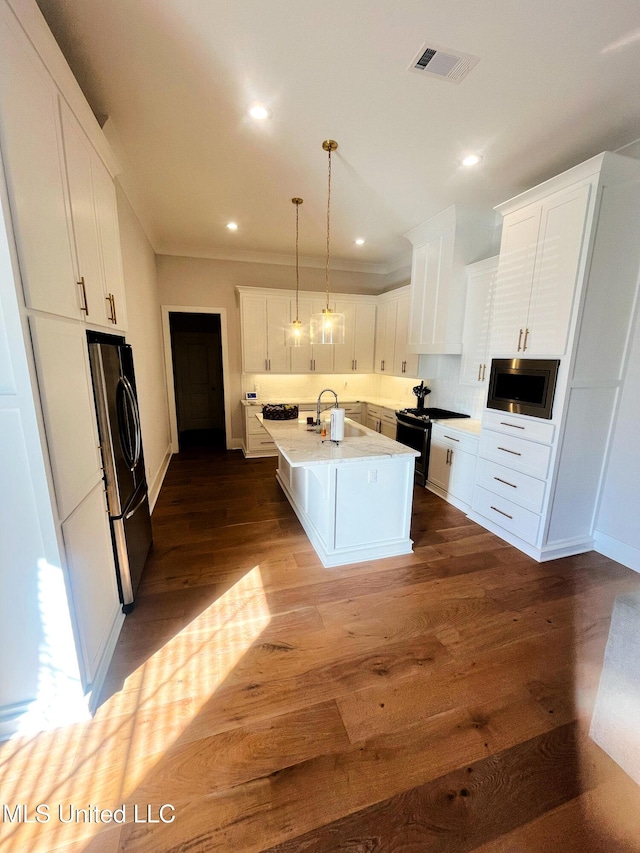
373,476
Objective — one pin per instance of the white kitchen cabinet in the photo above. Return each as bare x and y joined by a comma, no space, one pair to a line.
310,358
405,363
566,286
356,355
392,356
36,180
381,419
62,365
264,319
475,362
452,464
540,259
385,336
95,227
442,247
92,577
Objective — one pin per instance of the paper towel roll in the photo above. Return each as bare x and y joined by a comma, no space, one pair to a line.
336,425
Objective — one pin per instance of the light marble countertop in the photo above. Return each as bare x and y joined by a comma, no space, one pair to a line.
470,426
301,446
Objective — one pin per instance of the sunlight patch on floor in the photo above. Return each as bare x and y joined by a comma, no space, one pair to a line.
106,759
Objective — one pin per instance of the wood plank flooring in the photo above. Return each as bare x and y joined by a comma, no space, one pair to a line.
433,703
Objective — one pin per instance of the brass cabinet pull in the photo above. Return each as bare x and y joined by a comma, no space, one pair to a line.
506,514
506,450
355,364
112,307
505,482
451,438
520,341
479,372
85,305
484,367
382,365
526,335
513,426
447,459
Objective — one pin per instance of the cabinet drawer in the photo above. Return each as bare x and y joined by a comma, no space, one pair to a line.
506,514
260,442
513,485
519,427
526,456
455,439
374,411
254,427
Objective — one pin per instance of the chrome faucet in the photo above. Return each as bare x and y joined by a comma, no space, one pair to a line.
331,391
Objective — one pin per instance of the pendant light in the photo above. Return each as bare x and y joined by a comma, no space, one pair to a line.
327,327
295,332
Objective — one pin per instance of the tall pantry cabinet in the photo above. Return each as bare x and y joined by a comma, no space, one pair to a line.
63,247
566,288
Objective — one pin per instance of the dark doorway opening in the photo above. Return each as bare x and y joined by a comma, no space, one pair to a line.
196,353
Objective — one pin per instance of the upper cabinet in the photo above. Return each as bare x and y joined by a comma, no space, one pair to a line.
264,319
265,315
357,353
95,227
308,358
540,259
392,356
36,179
474,366
442,247
62,197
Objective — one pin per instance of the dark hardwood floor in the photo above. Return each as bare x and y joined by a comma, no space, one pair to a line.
434,702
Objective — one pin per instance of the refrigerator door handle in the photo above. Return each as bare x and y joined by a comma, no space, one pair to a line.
131,453
129,513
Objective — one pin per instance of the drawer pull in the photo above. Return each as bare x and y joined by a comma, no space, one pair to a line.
506,450
520,341
451,438
505,482
506,514
513,426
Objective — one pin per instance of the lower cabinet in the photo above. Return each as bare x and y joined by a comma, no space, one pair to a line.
452,465
92,576
513,468
381,419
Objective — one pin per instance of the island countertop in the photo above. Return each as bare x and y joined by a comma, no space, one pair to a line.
303,446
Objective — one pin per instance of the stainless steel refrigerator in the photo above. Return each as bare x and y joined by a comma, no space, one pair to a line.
122,458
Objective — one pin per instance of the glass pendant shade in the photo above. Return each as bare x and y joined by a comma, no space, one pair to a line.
295,334
327,327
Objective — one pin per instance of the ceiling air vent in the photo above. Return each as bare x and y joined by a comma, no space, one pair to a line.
443,63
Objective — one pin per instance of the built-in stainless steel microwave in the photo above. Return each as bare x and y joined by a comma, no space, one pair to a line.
523,386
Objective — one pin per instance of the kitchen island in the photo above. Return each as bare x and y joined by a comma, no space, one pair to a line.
353,499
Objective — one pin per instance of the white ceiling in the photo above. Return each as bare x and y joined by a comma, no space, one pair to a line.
557,82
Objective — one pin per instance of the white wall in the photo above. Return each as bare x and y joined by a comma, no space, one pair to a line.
145,336
206,283
617,533
617,530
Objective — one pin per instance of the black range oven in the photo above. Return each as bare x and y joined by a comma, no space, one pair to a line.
414,429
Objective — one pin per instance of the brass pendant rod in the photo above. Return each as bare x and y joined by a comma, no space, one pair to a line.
297,202
328,145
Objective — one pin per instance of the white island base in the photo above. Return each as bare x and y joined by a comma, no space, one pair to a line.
354,500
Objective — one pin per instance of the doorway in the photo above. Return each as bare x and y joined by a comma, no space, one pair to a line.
197,361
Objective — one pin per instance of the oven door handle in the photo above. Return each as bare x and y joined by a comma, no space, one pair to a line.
416,427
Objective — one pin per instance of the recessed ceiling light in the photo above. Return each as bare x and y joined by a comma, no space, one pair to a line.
360,241
258,111
232,226
471,160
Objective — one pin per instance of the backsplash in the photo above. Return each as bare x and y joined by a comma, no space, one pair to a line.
352,386
446,391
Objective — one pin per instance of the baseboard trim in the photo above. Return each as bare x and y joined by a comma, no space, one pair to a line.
105,660
541,555
449,498
158,480
616,550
